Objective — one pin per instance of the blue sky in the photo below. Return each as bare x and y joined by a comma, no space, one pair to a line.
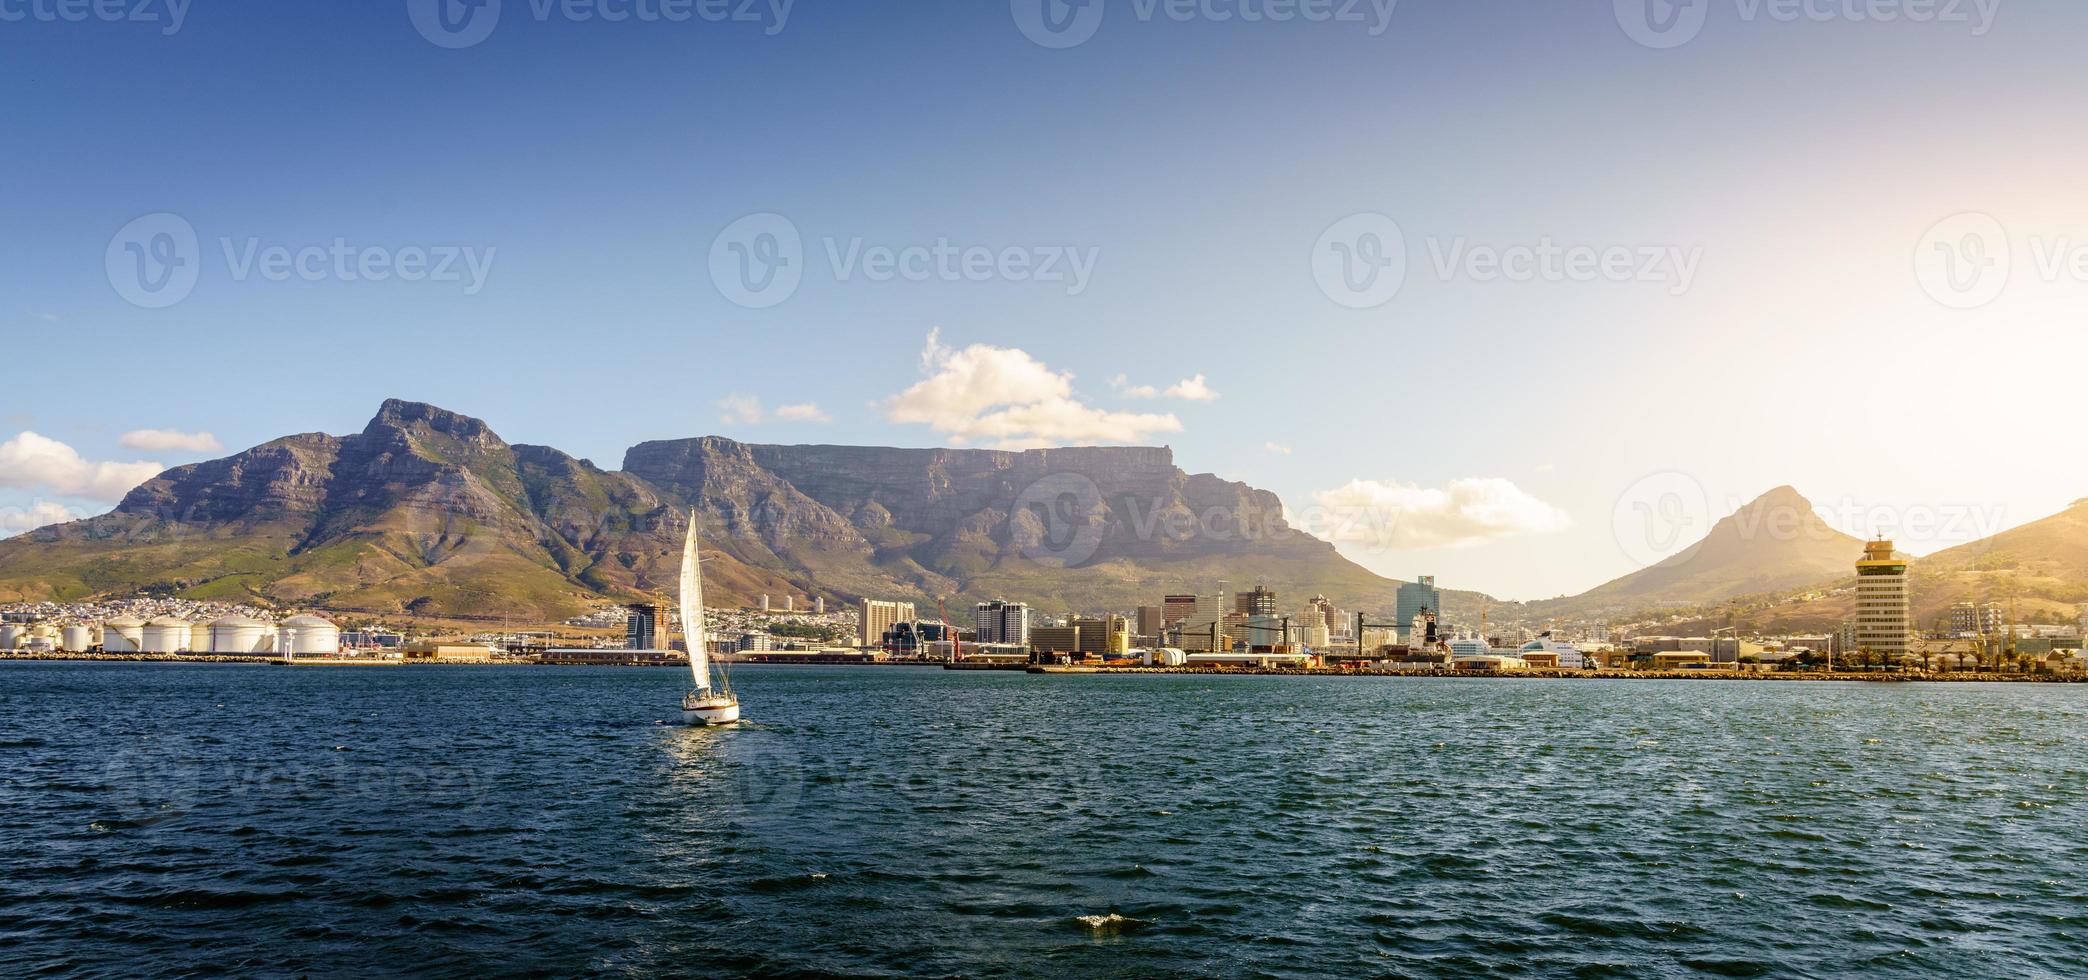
1772,184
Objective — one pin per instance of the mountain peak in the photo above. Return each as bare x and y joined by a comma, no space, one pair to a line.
397,413
1783,496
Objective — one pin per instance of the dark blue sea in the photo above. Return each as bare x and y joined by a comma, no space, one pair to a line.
161,820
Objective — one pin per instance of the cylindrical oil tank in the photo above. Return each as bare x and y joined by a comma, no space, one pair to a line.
77,639
308,636
240,636
124,634
166,634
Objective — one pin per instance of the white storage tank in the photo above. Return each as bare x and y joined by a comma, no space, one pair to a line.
13,637
308,636
166,634
124,634
199,638
241,636
77,639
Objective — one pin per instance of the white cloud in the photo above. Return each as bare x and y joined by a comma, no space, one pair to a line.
807,412
1191,390
43,513
1276,447
1188,389
1010,399
741,410
33,462
1393,515
170,441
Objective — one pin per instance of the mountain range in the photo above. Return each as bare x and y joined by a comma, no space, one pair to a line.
429,513
1776,565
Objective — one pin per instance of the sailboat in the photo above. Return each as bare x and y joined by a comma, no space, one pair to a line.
706,703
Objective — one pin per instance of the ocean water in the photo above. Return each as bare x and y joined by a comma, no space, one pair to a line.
180,820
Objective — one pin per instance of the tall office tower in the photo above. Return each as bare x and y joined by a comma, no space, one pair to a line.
1176,608
1260,602
1328,617
641,626
764,603
819,605
875,616
1151,620
1418,595
1002,622
1883,623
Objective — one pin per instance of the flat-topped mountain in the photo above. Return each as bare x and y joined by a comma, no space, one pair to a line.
430,512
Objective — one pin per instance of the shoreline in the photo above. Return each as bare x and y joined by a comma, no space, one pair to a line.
1947,677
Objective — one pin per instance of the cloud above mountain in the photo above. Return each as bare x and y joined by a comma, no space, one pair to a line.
43,513
1008,399
1194,389
738,409
170,441
33,462
1391,515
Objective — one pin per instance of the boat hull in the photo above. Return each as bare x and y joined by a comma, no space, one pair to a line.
711,714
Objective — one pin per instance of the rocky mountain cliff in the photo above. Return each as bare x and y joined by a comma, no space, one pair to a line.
429,512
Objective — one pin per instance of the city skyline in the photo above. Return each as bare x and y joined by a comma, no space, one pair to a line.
1099,250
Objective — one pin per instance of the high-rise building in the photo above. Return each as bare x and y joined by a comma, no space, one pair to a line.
1108,634
1883,623
1002,622
1967,619
1416,596
1151,620
875,616
1054,639
764,603
1260,602
819,605
641,626
1176,608
1319,605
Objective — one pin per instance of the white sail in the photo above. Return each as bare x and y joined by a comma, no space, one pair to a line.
692,610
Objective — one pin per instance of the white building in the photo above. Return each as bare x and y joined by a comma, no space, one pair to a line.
1002,622
1884,623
